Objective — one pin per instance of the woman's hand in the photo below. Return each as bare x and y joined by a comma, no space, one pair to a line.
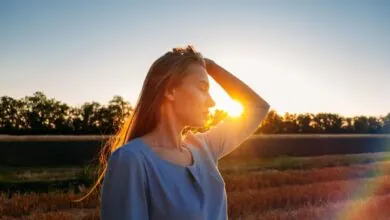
210,65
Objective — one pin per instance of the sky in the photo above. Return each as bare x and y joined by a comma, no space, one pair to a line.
300,56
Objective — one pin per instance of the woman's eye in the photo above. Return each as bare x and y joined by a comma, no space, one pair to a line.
204,89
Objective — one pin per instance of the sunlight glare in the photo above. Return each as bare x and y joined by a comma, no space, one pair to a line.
224,102
233,108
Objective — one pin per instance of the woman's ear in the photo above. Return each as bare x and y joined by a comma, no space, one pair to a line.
170,94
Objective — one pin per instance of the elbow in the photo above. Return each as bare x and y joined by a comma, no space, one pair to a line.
263,104
257,103
259,106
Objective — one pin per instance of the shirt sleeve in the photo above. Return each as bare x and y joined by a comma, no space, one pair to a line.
232,131
124,194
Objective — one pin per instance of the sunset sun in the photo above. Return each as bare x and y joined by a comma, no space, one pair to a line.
232,107
224,102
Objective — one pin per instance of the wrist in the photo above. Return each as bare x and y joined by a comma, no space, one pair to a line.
210,65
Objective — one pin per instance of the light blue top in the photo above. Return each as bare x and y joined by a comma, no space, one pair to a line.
139,184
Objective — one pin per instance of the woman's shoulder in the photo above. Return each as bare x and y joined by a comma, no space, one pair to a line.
126,161
199,142
129,152
195,139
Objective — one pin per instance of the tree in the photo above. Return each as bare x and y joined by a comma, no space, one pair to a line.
290,124
361,124
76,120
45,115
91,117
271,124
10,115
386,124
118,110
374,125
305,123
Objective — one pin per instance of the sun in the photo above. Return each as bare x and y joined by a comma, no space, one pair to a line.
224,102
233,108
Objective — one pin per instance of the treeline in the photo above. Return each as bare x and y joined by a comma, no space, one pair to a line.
38,114
328,123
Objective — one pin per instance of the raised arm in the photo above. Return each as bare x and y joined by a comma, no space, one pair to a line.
234,87
229,134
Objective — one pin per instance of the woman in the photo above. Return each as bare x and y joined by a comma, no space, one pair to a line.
155,172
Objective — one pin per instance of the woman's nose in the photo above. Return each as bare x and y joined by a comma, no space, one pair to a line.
211,102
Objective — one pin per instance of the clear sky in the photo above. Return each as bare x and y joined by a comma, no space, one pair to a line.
300,56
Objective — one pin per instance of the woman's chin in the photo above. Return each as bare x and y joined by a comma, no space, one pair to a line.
201,123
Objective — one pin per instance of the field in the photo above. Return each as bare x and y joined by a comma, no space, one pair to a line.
344,186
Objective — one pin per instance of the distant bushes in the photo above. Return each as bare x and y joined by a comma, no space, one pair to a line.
51,151
82,150
311,145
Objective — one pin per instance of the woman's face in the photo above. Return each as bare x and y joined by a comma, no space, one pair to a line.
192,98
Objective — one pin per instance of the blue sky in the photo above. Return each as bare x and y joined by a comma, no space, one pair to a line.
300,56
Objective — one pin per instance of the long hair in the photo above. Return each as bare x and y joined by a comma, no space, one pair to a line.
166,72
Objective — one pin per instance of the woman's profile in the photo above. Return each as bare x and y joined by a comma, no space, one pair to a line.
153,170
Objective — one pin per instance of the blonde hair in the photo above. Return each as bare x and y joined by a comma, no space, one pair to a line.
166,72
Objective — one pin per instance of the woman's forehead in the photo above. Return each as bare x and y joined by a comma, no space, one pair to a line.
197,74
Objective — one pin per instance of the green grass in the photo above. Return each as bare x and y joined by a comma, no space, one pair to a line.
25,174
41,179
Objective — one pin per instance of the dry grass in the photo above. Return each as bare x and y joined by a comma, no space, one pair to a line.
275,178
26,204
83,214
254,202
257,201
375,207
